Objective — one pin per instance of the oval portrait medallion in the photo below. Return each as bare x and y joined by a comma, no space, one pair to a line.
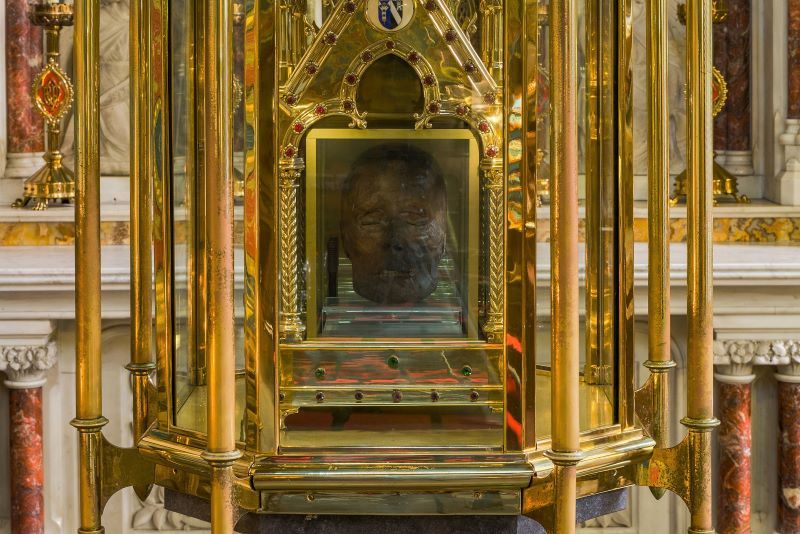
390,15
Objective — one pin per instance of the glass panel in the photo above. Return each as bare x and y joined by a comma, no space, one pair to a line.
240,139
182,195
190,368
392,234
597,247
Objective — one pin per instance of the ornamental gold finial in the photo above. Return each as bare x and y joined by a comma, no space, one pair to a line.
51,95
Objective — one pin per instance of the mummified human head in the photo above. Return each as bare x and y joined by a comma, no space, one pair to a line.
393,223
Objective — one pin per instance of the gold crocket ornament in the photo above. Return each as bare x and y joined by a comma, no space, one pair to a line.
52,95
725,185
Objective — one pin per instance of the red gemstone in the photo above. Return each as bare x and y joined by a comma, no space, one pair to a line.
450,35
312,68
434,107
430,5
330,38
289,151
413,57
483,126
390,45
290,99
366,56
469,67
350,7
461,109
490,98
298,127
492,151
350,79
428,80
348,105
320,110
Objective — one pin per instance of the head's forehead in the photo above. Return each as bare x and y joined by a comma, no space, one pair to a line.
394,168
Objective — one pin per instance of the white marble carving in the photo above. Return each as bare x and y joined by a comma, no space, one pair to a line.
758,352
152,516
27,364
114,91
790,177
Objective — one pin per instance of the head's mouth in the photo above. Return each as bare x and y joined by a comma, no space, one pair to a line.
389,274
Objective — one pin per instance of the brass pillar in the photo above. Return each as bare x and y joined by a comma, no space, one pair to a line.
659,360
89,419
700,403
221,450
141,364
565,452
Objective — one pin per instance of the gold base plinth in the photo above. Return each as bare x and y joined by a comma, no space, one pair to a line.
51,182
725,186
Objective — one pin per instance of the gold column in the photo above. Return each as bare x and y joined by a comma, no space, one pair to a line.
565,452
291,328
492,37
659,359
89,419
700,405
218,133
493,327
141,364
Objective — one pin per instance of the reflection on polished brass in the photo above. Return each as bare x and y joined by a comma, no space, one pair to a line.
600,207
221,448
88,366
565,451
700,381
652,402
141,365
52,97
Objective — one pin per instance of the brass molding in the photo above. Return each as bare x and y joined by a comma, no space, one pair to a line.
221,459
700,425
666,469
565,458
123,467
89,425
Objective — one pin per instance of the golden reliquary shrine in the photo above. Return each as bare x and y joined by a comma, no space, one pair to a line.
337,202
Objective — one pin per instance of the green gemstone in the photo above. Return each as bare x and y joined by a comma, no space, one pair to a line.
320,372
466,370
393,362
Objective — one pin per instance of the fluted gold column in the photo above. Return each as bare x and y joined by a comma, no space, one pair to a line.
699,201
659,360
89,419
565,451
141,364
220,345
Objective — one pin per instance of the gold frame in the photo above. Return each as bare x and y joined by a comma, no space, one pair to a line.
389,134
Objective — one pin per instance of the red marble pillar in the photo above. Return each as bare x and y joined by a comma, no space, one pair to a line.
734,439
732,135
789,453
794,59
27,470
25,127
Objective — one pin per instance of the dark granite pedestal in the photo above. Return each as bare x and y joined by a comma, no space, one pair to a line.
588,508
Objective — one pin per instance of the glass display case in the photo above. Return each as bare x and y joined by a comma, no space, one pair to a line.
374,279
